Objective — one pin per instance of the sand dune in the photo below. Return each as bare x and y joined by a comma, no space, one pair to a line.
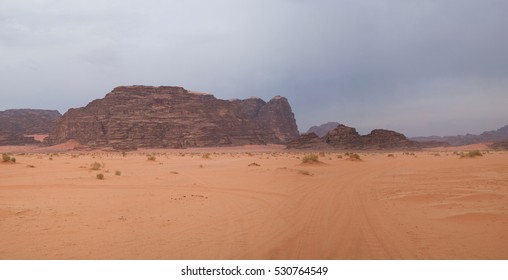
217,204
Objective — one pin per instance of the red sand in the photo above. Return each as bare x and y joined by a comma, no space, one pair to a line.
183,206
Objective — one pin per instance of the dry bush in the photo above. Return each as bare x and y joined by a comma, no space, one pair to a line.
310,158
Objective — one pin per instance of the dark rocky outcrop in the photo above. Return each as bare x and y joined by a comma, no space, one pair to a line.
323,129
347,138
308,141
142,116
15,124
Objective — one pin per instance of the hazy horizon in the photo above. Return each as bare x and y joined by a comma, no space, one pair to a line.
421,68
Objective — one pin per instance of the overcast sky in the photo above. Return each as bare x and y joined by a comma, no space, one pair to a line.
420,67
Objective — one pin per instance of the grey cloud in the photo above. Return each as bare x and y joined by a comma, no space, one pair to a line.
420,67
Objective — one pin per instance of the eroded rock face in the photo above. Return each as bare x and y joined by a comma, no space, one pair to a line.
344,137
347,138
308,141
16,123
142,116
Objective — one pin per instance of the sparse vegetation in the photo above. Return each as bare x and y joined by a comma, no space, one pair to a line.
206,156
100,176
95,166
310,158
6,157
151,158
472,154
354,157
391,155
118,173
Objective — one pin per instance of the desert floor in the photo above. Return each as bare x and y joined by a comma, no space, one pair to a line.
182,205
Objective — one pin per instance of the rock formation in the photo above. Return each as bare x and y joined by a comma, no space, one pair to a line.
500,134
142,116
309,141
15,124
347,138
323,129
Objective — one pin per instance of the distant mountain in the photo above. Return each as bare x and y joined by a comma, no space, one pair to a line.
16,123
322,130
487,136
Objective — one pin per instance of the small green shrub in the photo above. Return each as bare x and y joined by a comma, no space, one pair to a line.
6,157
310,158
95,166
472,154
354,157
100,176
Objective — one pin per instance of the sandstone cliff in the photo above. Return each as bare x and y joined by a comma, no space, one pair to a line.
16,123
141,116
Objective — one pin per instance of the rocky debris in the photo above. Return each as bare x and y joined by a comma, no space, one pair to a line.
347,138
131,117
500,134
323,129
308,141
15,124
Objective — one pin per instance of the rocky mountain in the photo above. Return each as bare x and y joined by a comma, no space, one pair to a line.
322,130
487,136
347,138
309,141
143,116
15,124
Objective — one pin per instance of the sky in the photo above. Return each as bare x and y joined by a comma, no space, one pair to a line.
420,67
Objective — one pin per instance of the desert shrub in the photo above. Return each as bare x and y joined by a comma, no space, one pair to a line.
151,158
95,166
206,156
354,157
30,166
254,164
6,157
391,155
100,176
124,154
472,154
322,154
13,159
118,173
310,158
